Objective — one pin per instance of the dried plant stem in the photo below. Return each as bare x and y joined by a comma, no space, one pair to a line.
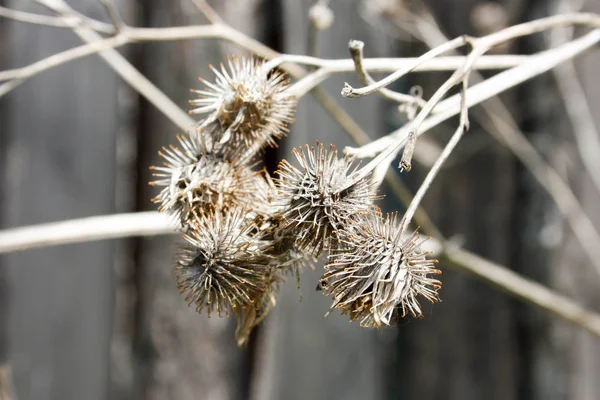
483,44
356,51
129,73
503,128
479,47
56,22
454,44
153,223
113,14
85,230
527,290
463,125
534,66
131,35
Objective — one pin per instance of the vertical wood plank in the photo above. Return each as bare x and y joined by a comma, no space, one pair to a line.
575,353
58,163
466,346
301,354
178,353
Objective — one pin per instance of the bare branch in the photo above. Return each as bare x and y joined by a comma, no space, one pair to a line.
113,14
463,125
356,51
529,291
349,91
153,223
482,45
57,22
535,65
85,230
502,126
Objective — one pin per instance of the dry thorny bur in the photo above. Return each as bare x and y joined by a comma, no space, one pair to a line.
245,232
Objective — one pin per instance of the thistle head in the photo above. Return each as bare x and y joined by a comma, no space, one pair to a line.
317,199
375,275
198,175
224,265
250,106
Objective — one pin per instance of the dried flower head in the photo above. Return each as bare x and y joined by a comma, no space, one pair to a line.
224,266
250,106
317,199
375,276
197,176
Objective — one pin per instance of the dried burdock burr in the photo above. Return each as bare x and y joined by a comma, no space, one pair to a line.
249,105
224,266
317,199
198,175
375,275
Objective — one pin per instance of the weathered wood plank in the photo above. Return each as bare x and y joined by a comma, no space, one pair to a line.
58,163
178,354
465,347
302,355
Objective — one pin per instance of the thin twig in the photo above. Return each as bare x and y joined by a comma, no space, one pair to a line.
483,44
578,109
463,126
349,91
527,290
447,108
503,128
356,52
57,22
85,229
153,223
479,47
113,14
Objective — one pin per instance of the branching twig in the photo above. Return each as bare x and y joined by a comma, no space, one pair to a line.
153,223
479,47
463,126
356,52
123,225
113,14
503,127
85,230
57,22
534,66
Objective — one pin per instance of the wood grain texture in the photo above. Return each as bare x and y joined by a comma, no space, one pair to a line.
58,163
466,347
576,354
301,354
178,354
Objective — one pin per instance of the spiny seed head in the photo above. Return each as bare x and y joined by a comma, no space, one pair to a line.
224,266
195,176
249,105
375,276
317,198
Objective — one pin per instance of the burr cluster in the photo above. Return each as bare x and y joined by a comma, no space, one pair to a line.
245,232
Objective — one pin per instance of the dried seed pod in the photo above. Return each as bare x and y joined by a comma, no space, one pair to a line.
198,176
317,199
249,105
375,276
224,266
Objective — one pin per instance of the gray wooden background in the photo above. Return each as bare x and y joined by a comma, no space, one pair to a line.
104,320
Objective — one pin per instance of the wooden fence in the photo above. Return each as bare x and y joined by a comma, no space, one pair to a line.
103,320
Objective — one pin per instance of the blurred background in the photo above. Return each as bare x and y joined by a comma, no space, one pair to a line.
103,320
